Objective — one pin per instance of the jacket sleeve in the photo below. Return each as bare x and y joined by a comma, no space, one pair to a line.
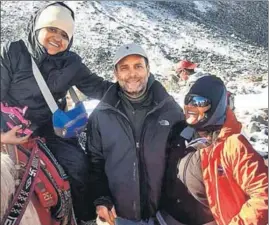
90,84
6,71
175,147
250,172
100,191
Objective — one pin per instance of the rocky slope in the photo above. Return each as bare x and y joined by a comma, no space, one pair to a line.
227,38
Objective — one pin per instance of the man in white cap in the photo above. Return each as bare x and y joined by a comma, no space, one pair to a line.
127,138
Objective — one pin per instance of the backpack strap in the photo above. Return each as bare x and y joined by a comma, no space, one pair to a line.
45,90
44,87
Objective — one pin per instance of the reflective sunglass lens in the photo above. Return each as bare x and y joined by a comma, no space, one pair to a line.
198,101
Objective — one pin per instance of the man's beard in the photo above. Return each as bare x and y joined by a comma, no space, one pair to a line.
135,94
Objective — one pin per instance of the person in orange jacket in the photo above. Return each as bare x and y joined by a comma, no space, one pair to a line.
234,175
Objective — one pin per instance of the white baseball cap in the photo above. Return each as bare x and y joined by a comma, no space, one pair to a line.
128,49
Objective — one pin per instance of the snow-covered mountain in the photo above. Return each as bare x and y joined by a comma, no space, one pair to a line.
227,38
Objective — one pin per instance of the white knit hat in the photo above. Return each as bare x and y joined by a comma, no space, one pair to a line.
56,16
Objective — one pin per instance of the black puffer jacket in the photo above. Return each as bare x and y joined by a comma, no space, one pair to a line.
130,172
61,71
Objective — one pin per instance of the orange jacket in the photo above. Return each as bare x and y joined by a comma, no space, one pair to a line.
235,178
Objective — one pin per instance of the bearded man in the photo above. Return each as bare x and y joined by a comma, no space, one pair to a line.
126,140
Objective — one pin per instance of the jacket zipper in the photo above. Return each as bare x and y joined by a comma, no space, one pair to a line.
139,151
142,172
134,204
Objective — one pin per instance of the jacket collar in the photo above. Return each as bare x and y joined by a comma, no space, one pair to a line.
159,93
231,125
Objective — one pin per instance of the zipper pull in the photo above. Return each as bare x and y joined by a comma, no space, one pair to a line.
137,145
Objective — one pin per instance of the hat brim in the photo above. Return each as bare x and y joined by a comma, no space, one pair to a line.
124,56
193,66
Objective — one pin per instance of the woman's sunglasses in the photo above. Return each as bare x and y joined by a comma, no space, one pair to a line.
197,101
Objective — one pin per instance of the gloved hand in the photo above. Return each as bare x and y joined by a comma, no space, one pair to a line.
14,116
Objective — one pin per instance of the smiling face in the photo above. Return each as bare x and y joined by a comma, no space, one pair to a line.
195,114
132,73
53,40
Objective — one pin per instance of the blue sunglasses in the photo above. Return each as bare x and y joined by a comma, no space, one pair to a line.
197,101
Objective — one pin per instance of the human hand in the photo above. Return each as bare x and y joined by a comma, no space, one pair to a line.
10,137
106,215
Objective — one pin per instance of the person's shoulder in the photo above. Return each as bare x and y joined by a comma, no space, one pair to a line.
236,140
237,145
161,93
179,127
74,55
13,45
158,88
71,53
179,134
73,60
13,50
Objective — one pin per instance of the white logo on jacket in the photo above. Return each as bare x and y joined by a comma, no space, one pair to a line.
164,122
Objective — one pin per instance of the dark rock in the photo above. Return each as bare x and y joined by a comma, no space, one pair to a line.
253,127
254,138
246,22
174,78
260,119
264,85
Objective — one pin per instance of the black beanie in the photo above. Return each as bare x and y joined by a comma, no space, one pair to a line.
213,88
